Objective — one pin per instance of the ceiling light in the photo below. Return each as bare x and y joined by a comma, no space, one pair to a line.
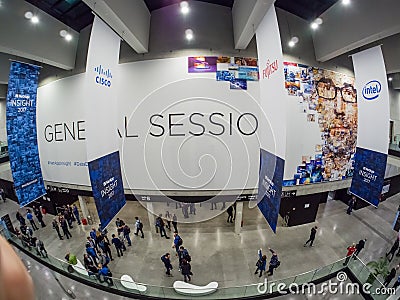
390,78
184,7
345,2
68,37
293,41
314,25
318,21
63,33
35,20
28,15
189,34
291,44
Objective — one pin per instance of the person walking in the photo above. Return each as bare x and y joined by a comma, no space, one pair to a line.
177,242
166,259
41,249
351,204
56,228
350,251
104,244
312,236
391,275
126,232
118,245
168,218
64,227
75,211
183,254
186,270
393,250
261,263
161,226
175,222
230,214
39,215
273,263
29,216
139,227
359,247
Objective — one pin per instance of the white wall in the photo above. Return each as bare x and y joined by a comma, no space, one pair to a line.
394,99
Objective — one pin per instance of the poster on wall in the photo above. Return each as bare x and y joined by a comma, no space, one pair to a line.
21,132
273,121
373,139
327,113
202,64
103,158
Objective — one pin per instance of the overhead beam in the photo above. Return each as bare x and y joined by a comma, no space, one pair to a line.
346,28
246,16
130,19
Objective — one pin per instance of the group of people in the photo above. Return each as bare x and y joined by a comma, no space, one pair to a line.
261,263
165,222
184,259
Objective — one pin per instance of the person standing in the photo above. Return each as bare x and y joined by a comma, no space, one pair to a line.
397,283
312,236
39,215
177,242
351,204
139,227
105,273
64,227
3,195
118,245
168,218
393,250
183,254
41,249
20,218
104,244
359,247
76,214
29,216
166,259
273,263
175,222
230,214
120,225
350,251
92,253
126,231
186,270
391,275
57,228
261,263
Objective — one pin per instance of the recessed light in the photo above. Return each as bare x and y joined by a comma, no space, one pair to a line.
189,34
68,37
390,78
35,20
28,15
293,41
318,21
314,25
63,33
184,7
345,2
291,44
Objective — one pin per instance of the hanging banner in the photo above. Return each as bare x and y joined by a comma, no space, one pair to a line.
272,134
101,121
21,132
373,127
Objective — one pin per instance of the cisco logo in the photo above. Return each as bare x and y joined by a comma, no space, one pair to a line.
103,76
372,90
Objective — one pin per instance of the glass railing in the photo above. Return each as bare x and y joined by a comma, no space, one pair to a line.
127,287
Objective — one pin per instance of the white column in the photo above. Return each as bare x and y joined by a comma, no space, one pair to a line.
152,220
239,217
83,206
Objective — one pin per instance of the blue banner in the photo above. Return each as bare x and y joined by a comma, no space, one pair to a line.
21,132
369,172
108,190
270,186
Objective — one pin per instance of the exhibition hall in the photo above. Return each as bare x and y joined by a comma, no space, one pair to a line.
199,149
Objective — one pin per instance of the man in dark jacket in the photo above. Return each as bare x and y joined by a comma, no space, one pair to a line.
55,226
273,263
393,250
64,227
161,226
230,214
186,270
391,275
359,247
39,216
312,236
166,259
118,245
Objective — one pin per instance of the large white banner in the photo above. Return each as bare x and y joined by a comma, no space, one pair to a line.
273,117
373,125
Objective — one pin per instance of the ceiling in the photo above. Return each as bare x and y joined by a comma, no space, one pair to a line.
77,15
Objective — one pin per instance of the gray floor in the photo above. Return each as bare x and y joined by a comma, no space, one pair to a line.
221,255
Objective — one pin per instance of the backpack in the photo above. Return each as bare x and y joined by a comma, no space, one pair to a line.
128,230
188,258
158,223
180,241
163,259
278,263
259,263
140,225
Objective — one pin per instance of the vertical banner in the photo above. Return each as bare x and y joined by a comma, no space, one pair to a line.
21,132
273,119
101,121
373,125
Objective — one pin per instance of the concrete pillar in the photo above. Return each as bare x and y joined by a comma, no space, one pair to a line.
82,204
239,217
152,220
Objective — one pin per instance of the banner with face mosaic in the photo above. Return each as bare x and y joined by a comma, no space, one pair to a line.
322,126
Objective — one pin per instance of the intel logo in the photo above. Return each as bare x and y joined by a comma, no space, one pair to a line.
372,90
103,76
